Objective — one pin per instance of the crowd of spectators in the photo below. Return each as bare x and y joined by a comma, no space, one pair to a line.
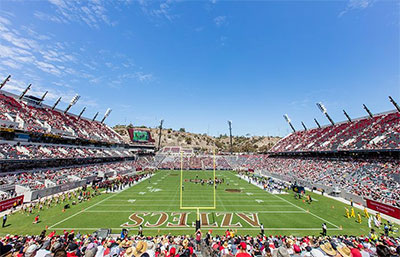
193,162
71,244
380,132
52,177
374,179
43,119
18,151
309,246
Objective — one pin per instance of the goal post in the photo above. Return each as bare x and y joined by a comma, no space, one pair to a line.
214,191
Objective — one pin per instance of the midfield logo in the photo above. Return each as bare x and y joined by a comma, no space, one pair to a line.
179,219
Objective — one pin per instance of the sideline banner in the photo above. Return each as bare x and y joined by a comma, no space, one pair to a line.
383,208
9,203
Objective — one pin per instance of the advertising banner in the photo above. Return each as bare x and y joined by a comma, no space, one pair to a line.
9,203
383,208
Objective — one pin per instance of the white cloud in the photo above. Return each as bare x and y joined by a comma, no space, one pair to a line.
162,10
356,5
34,34
12,52
59,3
19,41
39,59
4,21
142,77
47,17
92,13
138,76
220,20
11,64
48,67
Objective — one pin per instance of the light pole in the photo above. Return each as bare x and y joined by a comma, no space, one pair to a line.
159,136
394,103
324,111
230,134
286,117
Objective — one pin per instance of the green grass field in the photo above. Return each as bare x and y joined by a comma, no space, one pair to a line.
155,203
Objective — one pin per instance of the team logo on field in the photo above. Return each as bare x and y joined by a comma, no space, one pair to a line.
180,219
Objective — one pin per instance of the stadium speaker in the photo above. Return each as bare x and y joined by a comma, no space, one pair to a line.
197,225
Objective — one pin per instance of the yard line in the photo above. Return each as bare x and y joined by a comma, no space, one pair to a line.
236,211
153,195
160,200
213,228
169,205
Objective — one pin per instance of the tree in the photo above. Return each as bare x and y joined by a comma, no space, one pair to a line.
182,130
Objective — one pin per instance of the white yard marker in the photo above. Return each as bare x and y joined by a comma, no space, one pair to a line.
132,200
155,190
249,193
259,201
142,193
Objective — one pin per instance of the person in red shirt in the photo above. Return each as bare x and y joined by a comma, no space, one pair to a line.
172,252
242,250
227,233
36,220
198,239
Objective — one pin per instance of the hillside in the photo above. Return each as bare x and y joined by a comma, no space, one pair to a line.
204,142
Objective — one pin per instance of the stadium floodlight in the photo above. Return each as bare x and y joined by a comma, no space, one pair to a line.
322,108
5,81
319,126
75,99
394,103
108,111
80,114
56,103
347,116
286,117
304,126
73,102
43,96
230,135
25,91
368,111
95,116
159,134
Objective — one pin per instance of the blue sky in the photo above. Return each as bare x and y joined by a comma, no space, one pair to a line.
197,64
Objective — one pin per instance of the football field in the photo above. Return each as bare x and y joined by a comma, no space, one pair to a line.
155,204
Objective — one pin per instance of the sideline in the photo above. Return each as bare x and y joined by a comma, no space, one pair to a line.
107,198
343,200
315,215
